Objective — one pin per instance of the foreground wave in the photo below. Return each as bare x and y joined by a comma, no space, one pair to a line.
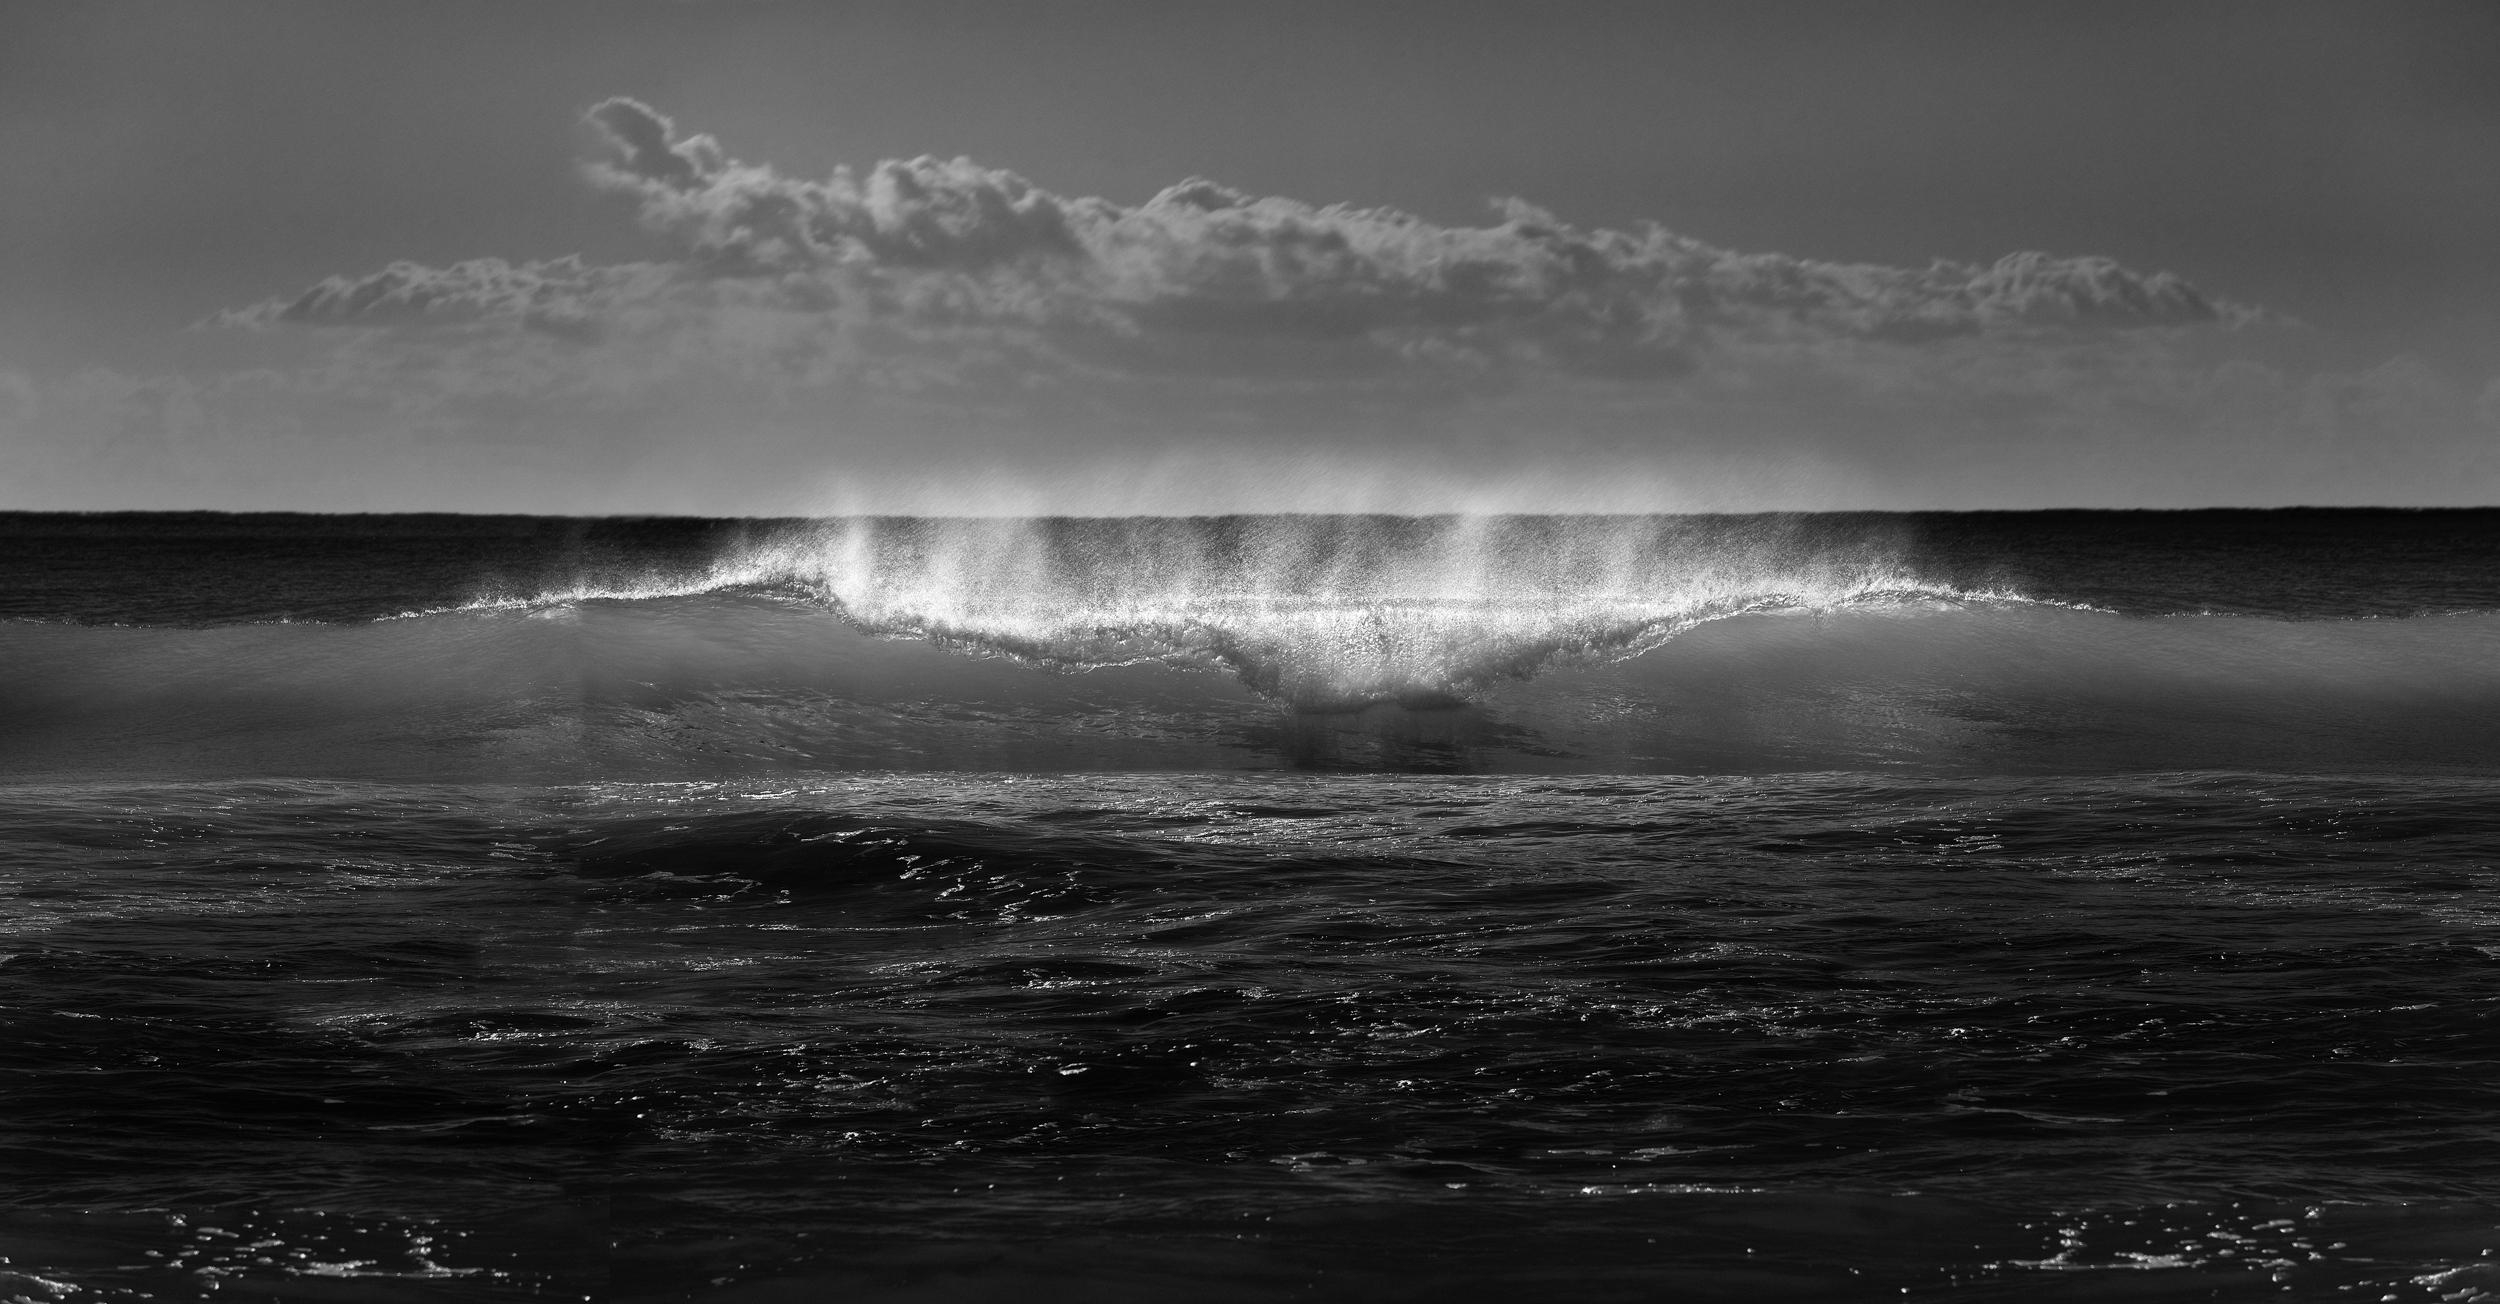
1255,1038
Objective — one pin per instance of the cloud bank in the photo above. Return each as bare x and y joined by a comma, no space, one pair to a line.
929,323
1205,281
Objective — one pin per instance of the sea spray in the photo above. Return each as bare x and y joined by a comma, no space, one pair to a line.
1324,612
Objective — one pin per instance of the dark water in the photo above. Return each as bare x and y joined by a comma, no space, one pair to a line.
2066,906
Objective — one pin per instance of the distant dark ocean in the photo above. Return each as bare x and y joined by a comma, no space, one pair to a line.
2040,906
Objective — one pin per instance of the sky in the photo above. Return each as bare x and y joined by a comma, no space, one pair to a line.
731,258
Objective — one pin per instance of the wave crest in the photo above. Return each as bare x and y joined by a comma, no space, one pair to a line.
1323,612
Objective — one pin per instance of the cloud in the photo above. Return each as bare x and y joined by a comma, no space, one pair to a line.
646,141
1202,279
561,296
934,312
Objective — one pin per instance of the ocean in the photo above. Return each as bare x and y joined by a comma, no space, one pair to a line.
1952,907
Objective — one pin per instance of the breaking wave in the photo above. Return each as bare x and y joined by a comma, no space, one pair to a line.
1505,644
1317,612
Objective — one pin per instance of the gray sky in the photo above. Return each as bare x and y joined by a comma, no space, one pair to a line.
1553,256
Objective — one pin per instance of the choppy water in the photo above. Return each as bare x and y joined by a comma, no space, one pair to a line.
2063,906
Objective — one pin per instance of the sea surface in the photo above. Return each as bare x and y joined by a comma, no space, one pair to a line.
1950,907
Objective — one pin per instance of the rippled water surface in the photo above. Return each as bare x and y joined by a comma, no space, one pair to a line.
1001,1036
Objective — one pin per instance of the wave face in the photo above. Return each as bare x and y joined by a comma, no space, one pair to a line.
1464,644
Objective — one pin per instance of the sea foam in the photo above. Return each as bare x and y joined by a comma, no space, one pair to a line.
1323,611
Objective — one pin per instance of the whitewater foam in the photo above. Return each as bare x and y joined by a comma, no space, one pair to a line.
1317,611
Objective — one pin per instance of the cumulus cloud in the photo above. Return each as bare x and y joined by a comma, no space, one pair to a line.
561,296
648,146
1204,281
1201,243
930,307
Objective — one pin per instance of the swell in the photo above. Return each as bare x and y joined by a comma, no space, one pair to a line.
744,682
1320,613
